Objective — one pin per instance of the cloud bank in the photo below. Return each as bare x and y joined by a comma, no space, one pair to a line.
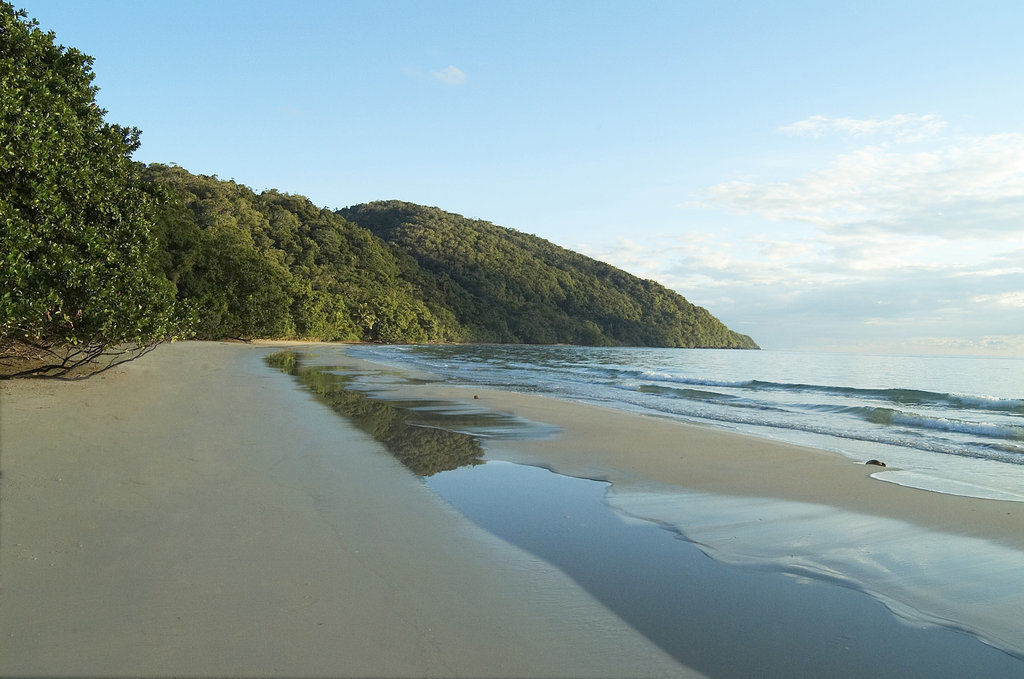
911,239
955,187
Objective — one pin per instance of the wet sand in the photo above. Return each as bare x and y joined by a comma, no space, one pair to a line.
639,451
933,559
195,513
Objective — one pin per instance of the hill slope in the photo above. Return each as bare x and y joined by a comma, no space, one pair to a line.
508,286
275,265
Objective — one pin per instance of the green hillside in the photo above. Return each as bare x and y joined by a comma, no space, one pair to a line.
275,265
508,286
104,258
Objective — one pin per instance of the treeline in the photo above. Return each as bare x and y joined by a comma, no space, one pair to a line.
102,258
506,286
275,265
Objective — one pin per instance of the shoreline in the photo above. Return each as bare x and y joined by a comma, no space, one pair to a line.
646,452
931,558
198,512
195,513
737,464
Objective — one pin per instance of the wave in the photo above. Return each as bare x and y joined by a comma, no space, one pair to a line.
961,425
899,396
883,416
695,394
984,450
887,416
708,397
696,381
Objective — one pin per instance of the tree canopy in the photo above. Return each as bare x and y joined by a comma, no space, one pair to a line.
275,265
102,256
509,286
78,279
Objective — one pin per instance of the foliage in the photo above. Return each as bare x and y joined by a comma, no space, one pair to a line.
77,279
274,265
508,286
103,256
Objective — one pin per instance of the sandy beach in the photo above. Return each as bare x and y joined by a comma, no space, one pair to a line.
633,450
935,560
197,513
172,517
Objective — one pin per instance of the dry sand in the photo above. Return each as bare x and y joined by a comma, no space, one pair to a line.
195,513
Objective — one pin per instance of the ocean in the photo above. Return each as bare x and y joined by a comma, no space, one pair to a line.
941,423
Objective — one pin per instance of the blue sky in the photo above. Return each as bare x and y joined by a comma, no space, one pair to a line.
835,176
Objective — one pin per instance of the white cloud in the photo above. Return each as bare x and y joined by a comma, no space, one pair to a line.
1004,299
902,127
880,290
450,75
961,186
896,245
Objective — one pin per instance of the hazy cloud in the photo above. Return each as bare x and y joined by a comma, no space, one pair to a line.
959,187
816,294
910,239
450,75
1004,299
903,127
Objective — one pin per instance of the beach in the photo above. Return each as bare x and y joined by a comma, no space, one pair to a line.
610,444
194,514
197,513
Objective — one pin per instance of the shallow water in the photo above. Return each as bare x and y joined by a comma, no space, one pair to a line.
719,618
789,584
956,423
923,576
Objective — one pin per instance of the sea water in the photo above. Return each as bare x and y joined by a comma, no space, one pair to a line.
946,424
928,579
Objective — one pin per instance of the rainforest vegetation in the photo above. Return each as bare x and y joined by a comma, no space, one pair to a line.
275,265
104,257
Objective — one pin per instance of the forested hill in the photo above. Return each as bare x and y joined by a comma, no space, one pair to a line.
104,258
275,265
503,285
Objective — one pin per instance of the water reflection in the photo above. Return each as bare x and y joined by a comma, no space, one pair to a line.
427,436
722,619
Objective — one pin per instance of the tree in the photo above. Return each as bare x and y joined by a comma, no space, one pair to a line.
78,280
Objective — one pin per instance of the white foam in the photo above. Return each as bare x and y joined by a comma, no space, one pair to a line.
948,424
949,486
991,402
925,577
676,379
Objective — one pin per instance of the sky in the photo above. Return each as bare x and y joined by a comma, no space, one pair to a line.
819,175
